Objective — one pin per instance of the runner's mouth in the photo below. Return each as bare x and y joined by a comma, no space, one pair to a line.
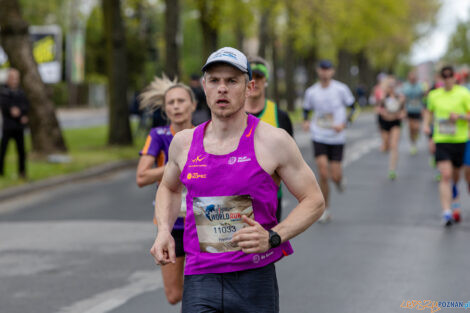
222,101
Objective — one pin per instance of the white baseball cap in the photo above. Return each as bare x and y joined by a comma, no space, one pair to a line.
230,56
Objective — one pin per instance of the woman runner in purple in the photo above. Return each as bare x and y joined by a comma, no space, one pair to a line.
178,102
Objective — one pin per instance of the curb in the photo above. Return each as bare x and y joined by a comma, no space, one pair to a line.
93,172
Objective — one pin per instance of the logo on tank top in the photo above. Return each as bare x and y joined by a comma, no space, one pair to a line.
198,159
242,159
195,176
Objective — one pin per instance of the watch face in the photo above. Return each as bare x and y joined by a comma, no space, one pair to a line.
275,240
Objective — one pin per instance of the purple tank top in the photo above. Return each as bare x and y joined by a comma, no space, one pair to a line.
221,188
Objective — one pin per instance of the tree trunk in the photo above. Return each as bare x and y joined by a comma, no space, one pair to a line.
119,128
209,17
275,80
172,24
310,67
264,32
45,130
343,70
239,35
289,61
366,73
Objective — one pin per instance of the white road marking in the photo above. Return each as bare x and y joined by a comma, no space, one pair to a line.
139,282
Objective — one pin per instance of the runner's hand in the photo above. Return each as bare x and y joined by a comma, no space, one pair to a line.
339,128
253,238
453,117
163,249
306,126
427,130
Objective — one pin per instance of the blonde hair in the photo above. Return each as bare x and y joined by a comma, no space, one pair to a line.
153,96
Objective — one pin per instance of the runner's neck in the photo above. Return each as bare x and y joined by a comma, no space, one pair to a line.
221,129
325,84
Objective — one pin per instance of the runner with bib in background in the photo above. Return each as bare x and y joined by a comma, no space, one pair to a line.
231,167
328,98
391,111
178,102
414,93
266,110
449,107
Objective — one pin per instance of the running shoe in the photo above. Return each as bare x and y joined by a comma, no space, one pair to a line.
456,216
456,212
392,175
413,150
437,177
447,218
325,218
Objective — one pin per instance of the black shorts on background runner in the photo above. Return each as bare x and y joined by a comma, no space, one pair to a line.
453,152
388,125
179,247
414,116
333,152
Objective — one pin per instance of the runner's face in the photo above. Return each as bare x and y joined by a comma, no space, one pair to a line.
178,106
259,86
226,90
325,74
13,79
449,79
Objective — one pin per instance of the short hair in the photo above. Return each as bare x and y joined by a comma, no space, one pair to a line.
446,68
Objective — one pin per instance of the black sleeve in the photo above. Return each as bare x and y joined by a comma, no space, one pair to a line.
285,122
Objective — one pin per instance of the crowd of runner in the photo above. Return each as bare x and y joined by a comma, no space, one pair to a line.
220,161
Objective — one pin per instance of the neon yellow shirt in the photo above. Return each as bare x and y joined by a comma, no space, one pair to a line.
442,103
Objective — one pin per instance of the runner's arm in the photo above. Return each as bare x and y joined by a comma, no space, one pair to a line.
428,117
146,173
168,197
301,182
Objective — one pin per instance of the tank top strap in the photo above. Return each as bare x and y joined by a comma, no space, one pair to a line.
247,142
197,142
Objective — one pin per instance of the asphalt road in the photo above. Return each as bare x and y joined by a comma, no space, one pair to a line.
84,247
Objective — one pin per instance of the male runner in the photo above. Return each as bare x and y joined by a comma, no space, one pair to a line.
232,167
329,99
450,107
414,93
266,110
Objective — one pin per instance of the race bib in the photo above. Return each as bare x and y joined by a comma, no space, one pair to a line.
447,127
325,121
218,218
415,104
392,105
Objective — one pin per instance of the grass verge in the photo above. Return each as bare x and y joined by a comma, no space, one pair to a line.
86,148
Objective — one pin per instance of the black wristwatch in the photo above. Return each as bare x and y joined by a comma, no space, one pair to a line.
274,239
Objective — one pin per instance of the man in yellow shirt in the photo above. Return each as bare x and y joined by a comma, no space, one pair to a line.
449,106
266,110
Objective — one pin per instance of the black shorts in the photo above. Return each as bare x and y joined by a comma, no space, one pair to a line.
178,236
333,152
388,125
453,152
414,116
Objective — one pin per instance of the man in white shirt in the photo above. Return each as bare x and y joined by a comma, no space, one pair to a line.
329,99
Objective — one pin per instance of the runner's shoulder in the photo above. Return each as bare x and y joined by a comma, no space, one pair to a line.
272,137
182,139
